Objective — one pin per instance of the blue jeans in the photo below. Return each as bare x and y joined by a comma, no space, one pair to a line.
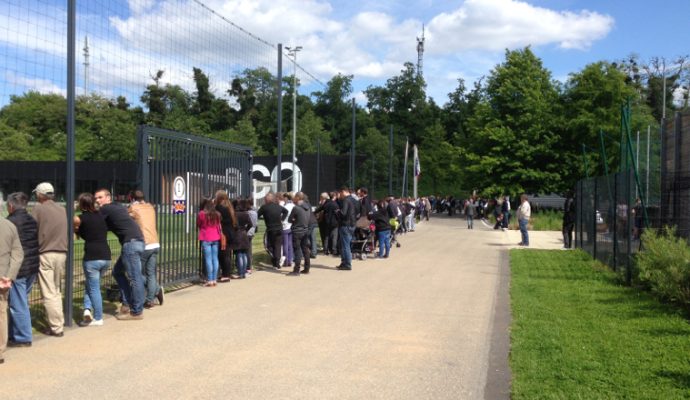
127,273
523,231
288,250
384,242
93,271
20,317
506,219
242,262
211,259
312,235
148,264
470,221
345,237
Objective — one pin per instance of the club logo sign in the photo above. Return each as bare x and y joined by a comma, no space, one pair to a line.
179,195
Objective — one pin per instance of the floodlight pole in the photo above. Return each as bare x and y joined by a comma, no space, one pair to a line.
292,51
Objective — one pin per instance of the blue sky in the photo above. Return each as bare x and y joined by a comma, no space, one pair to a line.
369,39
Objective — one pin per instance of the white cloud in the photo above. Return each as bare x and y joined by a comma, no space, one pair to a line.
44,86
370,42
140,6
499,24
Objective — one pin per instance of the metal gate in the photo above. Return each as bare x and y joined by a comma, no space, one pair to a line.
177,171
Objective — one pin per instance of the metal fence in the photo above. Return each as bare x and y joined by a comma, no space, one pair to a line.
609,221
177,171
78,280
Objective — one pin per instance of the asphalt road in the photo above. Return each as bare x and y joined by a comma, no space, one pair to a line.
415,326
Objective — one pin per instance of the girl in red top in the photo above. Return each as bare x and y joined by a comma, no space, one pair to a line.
208,222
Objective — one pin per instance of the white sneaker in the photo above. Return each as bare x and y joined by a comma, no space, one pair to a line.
96,322
87,315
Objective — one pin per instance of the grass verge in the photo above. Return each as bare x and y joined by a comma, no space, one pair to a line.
578,334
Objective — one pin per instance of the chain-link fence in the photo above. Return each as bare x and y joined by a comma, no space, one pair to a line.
610,220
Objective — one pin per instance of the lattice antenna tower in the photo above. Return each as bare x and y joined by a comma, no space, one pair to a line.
420,54
86,65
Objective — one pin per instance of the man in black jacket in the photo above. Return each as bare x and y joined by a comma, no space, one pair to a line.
273,215
349,212
127,269
328,226
20,334
299,218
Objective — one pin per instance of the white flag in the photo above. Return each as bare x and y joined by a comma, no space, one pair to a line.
417,166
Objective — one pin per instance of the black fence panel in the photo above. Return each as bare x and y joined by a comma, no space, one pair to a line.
177,172
610,220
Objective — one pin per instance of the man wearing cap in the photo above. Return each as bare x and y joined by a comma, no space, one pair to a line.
52,249
11,257
127,270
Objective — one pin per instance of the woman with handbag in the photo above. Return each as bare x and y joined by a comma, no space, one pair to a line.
228,222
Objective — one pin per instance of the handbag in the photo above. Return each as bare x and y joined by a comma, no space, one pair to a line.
223,240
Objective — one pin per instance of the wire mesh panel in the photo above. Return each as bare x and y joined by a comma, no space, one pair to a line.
178,171
605,219
587,215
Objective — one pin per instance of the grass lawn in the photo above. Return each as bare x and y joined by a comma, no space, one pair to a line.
578,334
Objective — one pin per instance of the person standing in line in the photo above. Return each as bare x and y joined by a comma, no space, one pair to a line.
288,250
505,209
144,214
313,224
523,215
208,222
568,220
427,207
228,222
349,212
254,218
20,332
273,215
299,220
321,221
91,227
240,241
127,269
383,229
470,212
52,247
329,236
11,258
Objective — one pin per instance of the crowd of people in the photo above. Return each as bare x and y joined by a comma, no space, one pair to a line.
33,246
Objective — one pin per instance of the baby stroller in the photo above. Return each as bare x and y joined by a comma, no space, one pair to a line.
396,229
363,241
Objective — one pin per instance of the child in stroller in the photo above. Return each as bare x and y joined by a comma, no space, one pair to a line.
363,241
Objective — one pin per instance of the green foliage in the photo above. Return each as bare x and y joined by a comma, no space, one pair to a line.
664,265
577,334
512,149
546,220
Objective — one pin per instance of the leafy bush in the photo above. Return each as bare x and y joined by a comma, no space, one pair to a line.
664,265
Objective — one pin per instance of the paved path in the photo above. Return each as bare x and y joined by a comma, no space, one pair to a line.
415,326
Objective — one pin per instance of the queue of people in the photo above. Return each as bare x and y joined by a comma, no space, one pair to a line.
33,246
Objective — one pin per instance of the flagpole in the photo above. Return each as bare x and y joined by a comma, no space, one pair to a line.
404,186
416,171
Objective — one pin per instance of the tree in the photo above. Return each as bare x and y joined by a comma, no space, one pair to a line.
512,151
592,103
334,108
42,121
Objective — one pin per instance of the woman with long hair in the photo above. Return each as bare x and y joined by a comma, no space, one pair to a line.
228,222
90,226
240,244
208,222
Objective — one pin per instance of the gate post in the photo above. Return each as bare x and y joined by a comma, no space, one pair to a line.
144,159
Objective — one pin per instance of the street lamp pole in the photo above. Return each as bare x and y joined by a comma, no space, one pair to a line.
293,52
